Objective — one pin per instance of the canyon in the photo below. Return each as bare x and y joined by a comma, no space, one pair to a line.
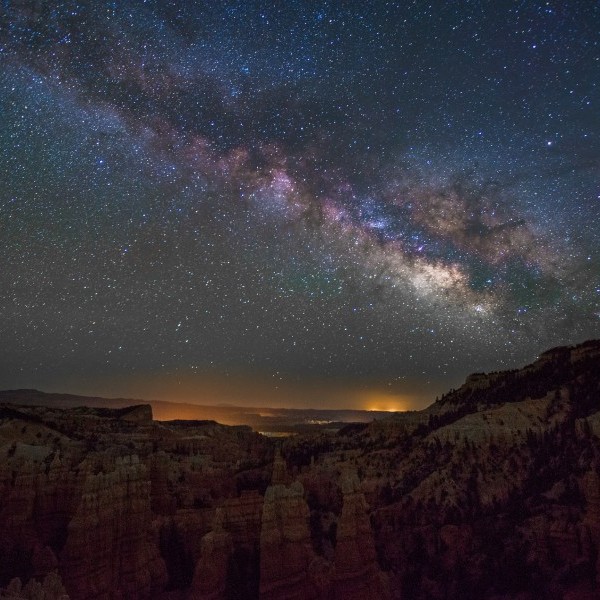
493,491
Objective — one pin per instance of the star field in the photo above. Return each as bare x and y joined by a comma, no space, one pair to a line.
390,191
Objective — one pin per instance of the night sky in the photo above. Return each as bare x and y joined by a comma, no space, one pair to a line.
233,200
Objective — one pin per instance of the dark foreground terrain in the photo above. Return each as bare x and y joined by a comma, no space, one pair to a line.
491,492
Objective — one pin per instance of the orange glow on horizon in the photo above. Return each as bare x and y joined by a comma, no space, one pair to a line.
259,391
384,402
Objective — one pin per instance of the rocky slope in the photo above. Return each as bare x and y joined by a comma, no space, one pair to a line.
491,492
113,502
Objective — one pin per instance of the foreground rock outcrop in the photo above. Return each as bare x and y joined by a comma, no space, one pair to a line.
211,574
285,545
110,539
357,574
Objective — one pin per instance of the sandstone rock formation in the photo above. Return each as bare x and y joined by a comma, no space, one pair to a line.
75,499
51,588
210,576
162,500
229,555
242,518
357,574
285,547
280,475
110,551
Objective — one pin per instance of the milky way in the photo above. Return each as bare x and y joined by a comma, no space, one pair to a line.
398,191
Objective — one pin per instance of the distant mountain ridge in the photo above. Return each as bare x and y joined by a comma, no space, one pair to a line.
265,419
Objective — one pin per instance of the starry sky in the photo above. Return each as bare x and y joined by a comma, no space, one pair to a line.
254,201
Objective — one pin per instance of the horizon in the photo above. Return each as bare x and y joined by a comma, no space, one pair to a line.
259,393
369,398
232,390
